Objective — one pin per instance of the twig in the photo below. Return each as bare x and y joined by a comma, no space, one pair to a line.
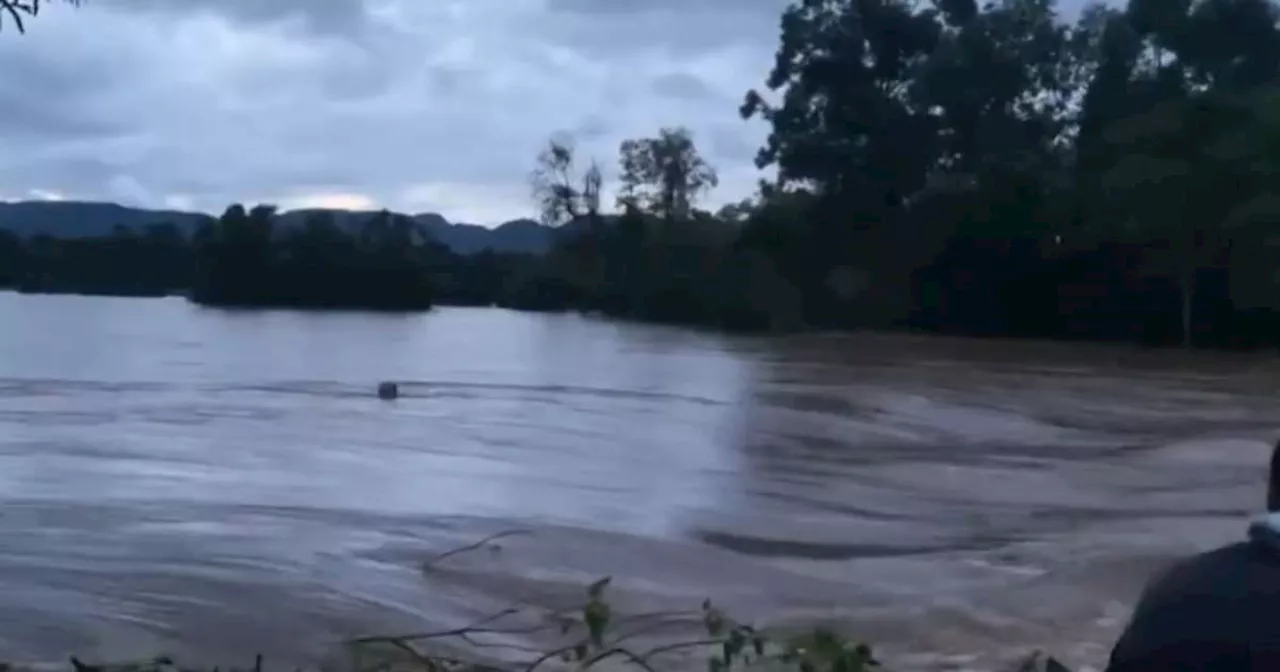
641,660
81,667
471,547
462,632
470,665
652,627
619,652
466,637
418,655
675,613
17,22
668,648
554,653
17,8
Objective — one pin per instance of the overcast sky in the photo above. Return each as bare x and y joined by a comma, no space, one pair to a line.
413,105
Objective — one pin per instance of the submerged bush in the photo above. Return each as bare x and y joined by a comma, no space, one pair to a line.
726,645
591,635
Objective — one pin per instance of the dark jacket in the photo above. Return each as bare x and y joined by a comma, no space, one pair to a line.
1216,611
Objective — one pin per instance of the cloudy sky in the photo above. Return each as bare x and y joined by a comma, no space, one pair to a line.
414,105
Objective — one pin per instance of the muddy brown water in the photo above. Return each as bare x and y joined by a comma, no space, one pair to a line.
210,483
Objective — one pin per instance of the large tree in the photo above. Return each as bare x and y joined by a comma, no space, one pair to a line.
664,175
838,103
837,99
562,194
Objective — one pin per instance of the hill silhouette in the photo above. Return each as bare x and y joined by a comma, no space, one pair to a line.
88,219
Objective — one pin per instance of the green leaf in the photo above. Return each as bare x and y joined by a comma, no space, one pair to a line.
597,615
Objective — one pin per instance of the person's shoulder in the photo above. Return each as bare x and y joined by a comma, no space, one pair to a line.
1213,571
1203,606
1211,561
1240,551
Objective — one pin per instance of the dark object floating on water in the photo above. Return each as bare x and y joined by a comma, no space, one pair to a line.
388,390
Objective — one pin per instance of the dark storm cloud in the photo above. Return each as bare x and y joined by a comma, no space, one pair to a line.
50,97
771,8
682,85
323,15
696,26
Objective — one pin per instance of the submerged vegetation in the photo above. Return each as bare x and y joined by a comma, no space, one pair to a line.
591,635
594,639
594,636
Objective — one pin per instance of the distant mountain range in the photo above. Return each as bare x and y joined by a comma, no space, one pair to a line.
81,219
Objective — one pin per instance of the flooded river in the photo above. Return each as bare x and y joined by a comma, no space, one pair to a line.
215,483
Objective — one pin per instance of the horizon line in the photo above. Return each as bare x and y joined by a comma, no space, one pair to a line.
251,204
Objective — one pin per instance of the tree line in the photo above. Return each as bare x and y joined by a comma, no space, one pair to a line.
970,168
249,257
944,165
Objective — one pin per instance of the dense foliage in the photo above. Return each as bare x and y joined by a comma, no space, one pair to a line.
246,258
985,169
946,165
243,260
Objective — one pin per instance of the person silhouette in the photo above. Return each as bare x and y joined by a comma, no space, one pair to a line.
1219,610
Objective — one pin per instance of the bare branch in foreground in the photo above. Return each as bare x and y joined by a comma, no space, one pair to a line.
476,546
